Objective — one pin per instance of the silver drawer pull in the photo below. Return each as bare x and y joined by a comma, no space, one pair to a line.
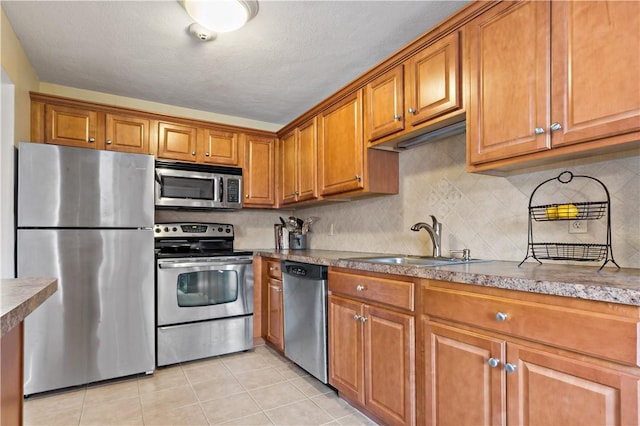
501,316
359,287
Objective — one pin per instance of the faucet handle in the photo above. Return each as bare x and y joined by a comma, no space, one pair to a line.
466,253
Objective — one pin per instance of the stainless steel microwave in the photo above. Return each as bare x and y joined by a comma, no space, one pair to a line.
197,186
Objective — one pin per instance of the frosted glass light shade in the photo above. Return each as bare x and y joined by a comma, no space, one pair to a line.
219,15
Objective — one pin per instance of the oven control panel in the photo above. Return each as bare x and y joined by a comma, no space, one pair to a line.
197,230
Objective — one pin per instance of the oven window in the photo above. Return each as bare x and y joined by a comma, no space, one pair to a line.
190,188
207,288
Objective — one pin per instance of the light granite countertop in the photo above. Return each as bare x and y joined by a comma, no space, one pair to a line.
583,282
21,296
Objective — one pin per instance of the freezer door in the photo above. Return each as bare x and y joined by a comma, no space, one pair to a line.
62,186
100,323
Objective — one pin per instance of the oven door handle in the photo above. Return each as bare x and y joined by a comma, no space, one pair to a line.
192,263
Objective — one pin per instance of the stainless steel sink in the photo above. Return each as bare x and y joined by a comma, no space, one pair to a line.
416,260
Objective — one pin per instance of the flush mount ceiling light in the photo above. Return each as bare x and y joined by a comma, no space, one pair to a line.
221,15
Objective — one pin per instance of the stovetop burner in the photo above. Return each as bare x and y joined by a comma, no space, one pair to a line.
177,240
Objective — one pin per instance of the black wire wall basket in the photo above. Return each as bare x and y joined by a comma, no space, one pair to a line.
570,210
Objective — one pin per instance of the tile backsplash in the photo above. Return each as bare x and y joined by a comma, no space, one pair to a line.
486,214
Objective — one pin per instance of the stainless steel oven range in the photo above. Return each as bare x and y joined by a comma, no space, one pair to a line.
204,292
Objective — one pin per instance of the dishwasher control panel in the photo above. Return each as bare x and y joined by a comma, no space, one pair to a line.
304,270
296,270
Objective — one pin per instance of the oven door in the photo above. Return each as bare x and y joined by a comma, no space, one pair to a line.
198,289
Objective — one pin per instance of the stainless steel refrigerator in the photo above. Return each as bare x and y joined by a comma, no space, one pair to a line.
86,216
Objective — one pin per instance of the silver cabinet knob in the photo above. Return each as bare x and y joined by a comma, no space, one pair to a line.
358,178
493,362
359,287
397,117
539,130
92,140
555,126
501,316
510,368
206,154
363,319
412,111
193,153
108,142
356,317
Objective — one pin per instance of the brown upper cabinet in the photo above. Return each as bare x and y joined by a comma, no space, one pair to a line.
345,165
71,126
79,124
127,134
219,147
340,148
259,171
422,93
194,143
299,164
177,141
551,79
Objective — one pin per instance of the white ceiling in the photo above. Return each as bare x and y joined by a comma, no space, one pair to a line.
287,59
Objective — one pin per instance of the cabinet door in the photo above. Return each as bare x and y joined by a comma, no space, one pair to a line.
461,388
177,141
434,79
340,147
127,134
595,49
550,389
259,172
345,348
288,168
71,126
384,104
219,147
389,341
307,161
275,325
509,82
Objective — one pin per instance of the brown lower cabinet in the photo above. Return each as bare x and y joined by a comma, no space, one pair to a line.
371,349
274,315
409,351
489,359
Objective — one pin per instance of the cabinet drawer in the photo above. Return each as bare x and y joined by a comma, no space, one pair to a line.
273,269
387,291
594,333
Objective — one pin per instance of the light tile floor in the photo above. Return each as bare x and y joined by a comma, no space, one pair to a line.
258,387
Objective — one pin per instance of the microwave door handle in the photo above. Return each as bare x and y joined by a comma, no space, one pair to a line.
176,265
221,189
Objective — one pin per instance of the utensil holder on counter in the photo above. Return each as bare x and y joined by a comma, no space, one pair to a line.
297,241
281,236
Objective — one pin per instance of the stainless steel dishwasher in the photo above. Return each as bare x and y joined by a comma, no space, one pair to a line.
305,316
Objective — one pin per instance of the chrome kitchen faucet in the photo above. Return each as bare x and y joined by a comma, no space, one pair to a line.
434,231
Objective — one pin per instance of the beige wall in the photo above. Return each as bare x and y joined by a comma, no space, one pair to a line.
16,64
105,98
487,214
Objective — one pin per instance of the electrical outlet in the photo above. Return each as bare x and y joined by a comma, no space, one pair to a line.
577,226
331,230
